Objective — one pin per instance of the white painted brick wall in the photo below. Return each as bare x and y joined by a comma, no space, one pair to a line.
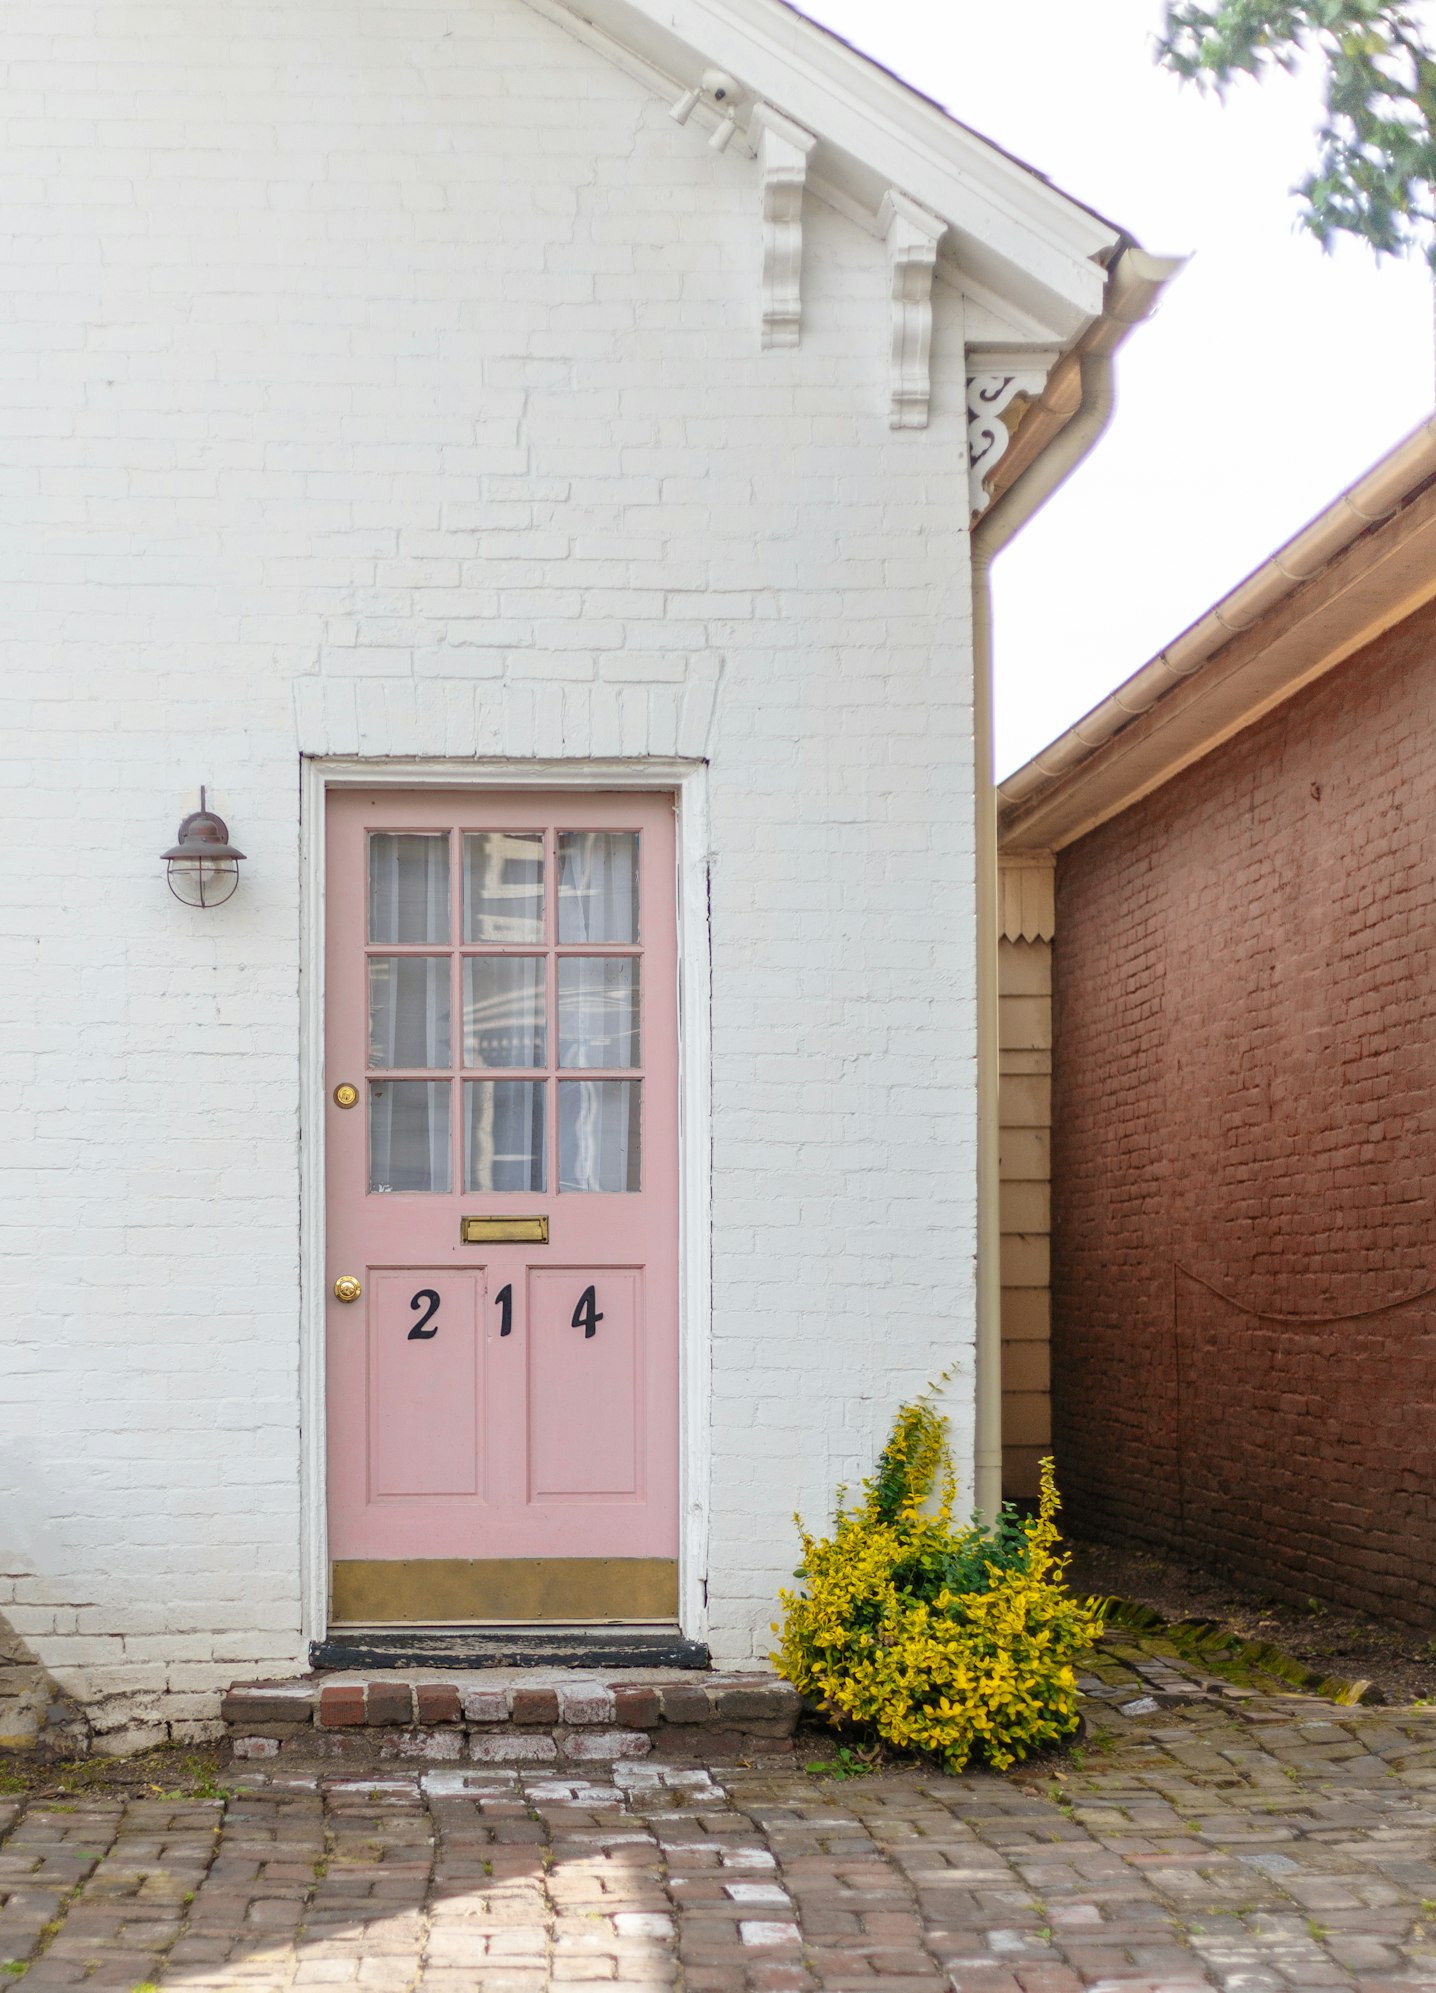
385,378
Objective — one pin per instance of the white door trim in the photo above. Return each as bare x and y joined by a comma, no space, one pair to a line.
689,781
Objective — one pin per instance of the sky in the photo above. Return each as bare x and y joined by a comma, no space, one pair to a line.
1272,377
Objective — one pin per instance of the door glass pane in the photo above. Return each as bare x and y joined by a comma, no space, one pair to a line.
504,1135
597,1010
408,887
409,1135
408,1010
504,1010
598,885
598,1135
503,885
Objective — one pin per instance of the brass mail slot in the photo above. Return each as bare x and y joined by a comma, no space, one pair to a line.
503,1231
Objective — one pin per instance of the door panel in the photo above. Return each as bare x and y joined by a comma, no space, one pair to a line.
425,1366
585,1384
501,990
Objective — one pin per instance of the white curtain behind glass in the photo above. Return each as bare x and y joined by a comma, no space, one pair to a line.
409,1135
409,1023
598,1135
503,886
408,888
408,1012
598,1011
504,1137
598,885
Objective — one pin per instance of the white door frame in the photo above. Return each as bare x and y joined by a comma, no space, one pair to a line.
689,781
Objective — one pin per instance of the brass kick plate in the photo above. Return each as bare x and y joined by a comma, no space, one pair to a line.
456,1590
503,1231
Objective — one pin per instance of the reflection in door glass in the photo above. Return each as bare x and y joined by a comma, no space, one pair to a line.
598,885
409,1135
503,885
504,1135
598,1010
598,1135
408,887
504,1010
408,1010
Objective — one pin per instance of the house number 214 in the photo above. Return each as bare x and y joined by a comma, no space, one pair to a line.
586,1315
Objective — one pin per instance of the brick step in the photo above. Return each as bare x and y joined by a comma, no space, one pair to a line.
519,1716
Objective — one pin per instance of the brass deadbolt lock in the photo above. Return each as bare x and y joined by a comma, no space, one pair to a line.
347,1288
346,1095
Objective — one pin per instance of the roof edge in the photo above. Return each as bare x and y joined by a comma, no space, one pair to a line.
1011,226
1074,783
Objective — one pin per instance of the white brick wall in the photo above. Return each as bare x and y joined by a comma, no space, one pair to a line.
385,378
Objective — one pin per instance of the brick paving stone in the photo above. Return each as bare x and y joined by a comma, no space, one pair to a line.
1265,1845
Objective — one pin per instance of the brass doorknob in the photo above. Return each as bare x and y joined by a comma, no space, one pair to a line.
347,1288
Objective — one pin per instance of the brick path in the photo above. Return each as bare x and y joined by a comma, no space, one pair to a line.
1266,1843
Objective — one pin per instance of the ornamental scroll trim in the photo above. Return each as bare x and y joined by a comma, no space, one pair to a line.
912,234
989,396
783,149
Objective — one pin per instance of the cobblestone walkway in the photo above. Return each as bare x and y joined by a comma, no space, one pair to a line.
1261,1844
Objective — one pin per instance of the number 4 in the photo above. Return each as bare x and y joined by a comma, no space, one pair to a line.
586,1315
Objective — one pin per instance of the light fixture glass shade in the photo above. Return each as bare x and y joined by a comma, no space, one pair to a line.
203,882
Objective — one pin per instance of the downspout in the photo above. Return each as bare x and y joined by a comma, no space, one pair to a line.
1134,285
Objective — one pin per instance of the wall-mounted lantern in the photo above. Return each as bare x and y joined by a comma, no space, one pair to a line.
203,867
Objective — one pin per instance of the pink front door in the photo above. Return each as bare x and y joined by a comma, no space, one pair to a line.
503,1391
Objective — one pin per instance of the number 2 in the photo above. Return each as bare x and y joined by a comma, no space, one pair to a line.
586,1315
419,1332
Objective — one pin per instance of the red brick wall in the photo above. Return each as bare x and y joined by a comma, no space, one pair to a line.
1245,1085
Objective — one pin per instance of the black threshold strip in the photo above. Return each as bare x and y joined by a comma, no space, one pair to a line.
509,1647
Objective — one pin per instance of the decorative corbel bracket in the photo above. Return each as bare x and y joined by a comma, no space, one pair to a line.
989,394
912,234
782,148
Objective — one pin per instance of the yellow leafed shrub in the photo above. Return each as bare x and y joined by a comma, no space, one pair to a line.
952,1641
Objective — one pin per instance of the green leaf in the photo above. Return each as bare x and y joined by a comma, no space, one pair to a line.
1375,174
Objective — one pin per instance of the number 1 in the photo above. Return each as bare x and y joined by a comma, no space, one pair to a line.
505,1299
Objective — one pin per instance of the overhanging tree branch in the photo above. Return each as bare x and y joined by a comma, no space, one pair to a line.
1376,147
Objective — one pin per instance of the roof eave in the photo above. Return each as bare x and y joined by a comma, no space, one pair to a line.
1012,228
1361,566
